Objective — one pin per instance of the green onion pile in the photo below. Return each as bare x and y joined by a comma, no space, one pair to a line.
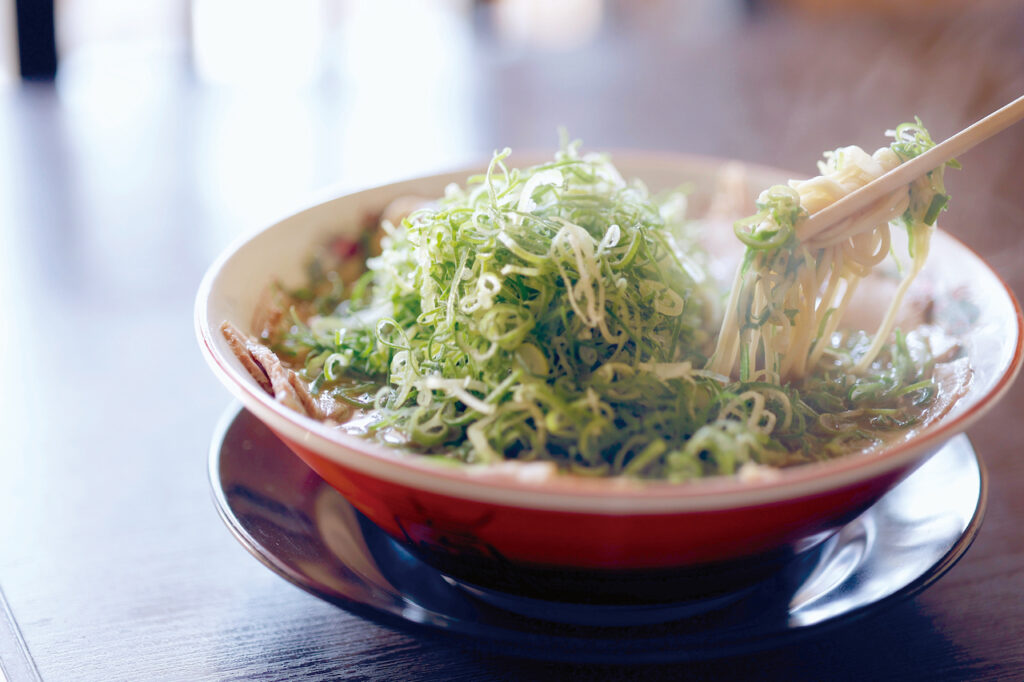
562,314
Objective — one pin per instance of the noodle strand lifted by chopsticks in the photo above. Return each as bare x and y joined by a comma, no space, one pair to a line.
790,293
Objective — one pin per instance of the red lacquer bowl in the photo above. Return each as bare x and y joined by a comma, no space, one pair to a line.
590,539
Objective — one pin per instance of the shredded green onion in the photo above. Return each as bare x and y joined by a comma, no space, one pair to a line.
560,313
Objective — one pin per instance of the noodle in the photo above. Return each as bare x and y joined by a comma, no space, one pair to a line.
791,291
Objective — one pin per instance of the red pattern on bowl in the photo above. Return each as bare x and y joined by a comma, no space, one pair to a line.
433,523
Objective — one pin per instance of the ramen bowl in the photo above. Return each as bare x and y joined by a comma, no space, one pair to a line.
501,527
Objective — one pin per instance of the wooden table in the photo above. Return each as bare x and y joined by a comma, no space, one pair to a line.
119,185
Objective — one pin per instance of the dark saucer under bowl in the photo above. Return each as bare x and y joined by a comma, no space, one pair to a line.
302,529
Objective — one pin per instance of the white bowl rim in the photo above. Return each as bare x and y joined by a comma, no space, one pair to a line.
567,493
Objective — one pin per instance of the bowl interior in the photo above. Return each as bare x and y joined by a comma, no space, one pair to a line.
971,302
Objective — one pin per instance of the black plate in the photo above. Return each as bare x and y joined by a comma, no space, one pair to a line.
303,530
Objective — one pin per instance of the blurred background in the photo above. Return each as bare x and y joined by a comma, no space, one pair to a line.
137,139
244,105
262,100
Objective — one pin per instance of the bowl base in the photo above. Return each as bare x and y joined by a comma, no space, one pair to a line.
617,588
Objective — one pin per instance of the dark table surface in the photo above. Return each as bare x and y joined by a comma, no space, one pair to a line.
120,184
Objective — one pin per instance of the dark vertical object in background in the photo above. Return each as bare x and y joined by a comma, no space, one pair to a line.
37,42
753,7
